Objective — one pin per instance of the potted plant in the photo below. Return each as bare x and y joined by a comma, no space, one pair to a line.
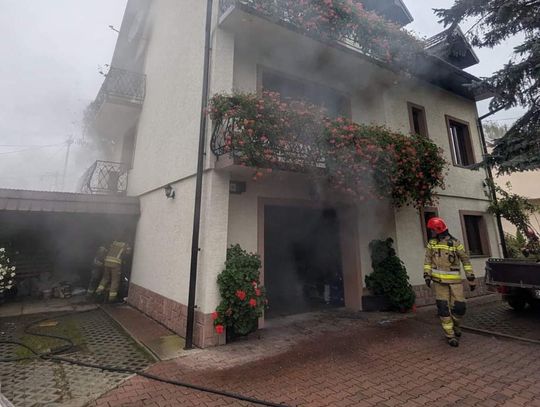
242,298
389,279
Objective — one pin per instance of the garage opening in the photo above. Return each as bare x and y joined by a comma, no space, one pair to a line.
53,253
52,239
302,260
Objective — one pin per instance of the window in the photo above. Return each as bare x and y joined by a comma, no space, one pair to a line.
460,142
417,118
335,102
475,233
425,215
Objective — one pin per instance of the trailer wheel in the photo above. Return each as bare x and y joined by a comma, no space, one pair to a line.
517,303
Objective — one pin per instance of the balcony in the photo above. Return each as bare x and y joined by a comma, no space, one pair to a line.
280,28
117,105
104,178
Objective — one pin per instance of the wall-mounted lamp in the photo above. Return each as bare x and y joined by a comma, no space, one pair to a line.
169,192
237,187
487,188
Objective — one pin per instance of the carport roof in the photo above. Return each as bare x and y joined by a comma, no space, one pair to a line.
64,202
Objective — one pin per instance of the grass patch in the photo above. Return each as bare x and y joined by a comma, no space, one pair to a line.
66,327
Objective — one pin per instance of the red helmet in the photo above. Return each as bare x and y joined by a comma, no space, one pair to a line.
437,225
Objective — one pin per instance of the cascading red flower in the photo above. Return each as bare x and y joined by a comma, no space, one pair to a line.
252,302
215,315
241,295
220,329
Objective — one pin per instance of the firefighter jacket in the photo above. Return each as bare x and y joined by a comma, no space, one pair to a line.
100,256
116,253
442,262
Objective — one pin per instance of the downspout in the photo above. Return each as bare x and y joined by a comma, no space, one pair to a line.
198,188
489,173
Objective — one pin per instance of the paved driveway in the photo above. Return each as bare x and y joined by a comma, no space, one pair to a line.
43,383
350,362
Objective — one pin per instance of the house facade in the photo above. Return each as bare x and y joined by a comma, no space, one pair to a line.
149,112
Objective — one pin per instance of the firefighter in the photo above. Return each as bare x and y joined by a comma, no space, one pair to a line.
442,271
117,253
533,244
97,270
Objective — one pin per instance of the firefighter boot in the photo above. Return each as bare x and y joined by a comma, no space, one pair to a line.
453,342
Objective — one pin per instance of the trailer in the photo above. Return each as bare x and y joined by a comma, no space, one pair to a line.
518,280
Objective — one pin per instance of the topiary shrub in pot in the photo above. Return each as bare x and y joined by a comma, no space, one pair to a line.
389,276
243,300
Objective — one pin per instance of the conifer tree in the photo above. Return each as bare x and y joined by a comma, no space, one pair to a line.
518,82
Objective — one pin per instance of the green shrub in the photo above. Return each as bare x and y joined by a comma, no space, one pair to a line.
389,276
242,297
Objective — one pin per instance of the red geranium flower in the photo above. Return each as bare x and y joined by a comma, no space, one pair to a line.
257,292
241,295
215,315
253,303
219,329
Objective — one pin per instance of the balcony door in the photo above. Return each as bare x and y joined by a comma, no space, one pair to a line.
335,102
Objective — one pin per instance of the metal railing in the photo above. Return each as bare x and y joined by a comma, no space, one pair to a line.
280,10
124,84
120,84
105,178
296,155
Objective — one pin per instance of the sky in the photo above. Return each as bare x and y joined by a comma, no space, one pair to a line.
51,53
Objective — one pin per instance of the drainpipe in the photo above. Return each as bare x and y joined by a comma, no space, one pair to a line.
489,173
198,188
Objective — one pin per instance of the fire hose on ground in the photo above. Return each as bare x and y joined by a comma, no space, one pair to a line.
54,356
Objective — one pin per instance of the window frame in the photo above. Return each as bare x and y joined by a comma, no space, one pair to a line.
423,224
424,125
261,69
484,233
470,146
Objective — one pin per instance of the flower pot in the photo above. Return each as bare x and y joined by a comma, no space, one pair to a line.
373,303
232,336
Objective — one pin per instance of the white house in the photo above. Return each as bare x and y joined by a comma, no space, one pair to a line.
149,111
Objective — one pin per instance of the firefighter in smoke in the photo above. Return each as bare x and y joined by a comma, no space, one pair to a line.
442,271
533,244
117,254
97,270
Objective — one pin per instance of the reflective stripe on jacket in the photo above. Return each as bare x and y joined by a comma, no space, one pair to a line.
115,254
443,258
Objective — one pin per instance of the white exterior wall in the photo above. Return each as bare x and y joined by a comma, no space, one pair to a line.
379,98
166,152
167,137
163,245
167,142
410,239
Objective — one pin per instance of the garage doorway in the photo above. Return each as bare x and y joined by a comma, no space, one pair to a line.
303,269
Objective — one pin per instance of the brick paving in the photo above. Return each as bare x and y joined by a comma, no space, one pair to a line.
502,319
333,361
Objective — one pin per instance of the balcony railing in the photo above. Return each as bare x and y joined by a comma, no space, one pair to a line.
369,34
124,84
105,178
298,154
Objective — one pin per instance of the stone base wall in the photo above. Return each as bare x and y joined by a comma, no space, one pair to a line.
425,296
173,315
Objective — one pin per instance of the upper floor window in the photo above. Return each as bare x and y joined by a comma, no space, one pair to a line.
460,142
417,119
475,233
336,103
